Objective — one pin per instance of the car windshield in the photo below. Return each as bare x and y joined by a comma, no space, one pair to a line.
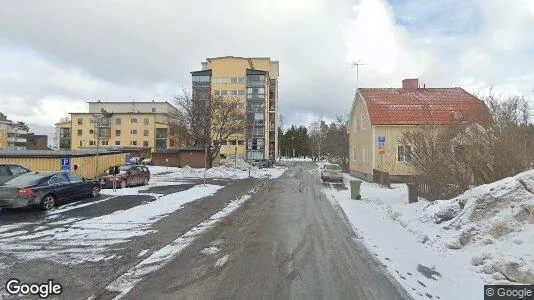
333,167
28,179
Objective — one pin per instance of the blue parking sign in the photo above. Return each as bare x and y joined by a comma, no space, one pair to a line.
382,139
65,164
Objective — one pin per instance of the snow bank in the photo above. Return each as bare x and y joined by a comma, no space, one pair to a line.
494,222
226,172
296,159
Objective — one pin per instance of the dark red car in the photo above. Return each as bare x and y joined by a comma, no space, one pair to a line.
128,176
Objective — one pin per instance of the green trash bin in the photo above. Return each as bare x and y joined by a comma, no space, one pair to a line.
355,189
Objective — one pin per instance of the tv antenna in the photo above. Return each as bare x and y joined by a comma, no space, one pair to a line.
357,64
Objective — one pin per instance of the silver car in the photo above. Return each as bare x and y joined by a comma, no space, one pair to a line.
331,173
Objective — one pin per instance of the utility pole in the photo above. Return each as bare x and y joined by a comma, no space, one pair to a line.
357,64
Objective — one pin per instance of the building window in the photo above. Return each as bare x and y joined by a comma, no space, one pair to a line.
105,143
117,133
242,80
91,143
91,131
224,92
133,131
233,92
145,143
145,132
171,142
404,153
223,156
79,132
240,142
133,143
217,92
362,123
233,80
80,122
117,143
146,121
80,143
153,109
118,121
233,142
240,92
354,154
133,120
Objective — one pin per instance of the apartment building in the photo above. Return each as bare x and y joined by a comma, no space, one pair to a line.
254,81
11,136
121,124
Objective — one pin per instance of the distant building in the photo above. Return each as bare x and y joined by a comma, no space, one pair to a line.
379,116
11,135
254,81
37,142
121,124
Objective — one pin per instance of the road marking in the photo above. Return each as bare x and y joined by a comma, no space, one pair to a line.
127,281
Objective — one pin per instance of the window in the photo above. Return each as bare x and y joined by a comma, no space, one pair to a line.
362,123
404,153
171,143
117,143
105,143
91,143
80,122
117,133
242,80
225,79
3,171
354,154
233,92
145,132
91,131
133,143
79,132
80,143
73,177
17,170
241,92
133,131
59,179
261,90
133,120
153,109
224,92
217,92
233,80
146,121
118,121
145,143
233,142
216,80
240,142
223,156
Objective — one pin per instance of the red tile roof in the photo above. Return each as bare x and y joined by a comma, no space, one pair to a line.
440,106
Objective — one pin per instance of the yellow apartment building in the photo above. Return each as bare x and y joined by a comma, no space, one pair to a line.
254,81
11,136
122,124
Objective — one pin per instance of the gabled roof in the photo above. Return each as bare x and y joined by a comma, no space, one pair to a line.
423,106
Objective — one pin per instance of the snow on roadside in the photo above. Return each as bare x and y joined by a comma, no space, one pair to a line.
225,171
89,239
124,283
421,269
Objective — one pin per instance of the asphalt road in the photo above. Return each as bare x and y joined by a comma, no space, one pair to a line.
286,242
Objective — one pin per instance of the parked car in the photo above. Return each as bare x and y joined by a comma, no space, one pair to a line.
9,171
128,176
45,189
260,163
135,160
146,161
331,172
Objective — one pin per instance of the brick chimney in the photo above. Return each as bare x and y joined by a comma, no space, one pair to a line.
410,84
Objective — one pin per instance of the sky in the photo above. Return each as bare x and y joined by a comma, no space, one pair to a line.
56,55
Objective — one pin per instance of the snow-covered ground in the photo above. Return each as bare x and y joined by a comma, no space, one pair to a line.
448,248
225,171
296,159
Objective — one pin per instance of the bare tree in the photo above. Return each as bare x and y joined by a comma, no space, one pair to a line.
207,123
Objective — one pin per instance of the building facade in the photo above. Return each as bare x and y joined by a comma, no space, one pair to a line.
254,81
120,124
12,136
380,116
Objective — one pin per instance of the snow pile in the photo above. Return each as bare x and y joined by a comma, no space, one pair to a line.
494,224
295,159
240,164
225,172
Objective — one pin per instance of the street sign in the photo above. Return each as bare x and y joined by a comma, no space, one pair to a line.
65,164
381,151
382,139
381,144
127,159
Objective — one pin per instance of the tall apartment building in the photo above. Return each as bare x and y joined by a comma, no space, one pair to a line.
11,136
254,81
122,124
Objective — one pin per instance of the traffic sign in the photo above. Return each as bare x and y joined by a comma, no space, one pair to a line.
380,144
127,158
382,139
65,164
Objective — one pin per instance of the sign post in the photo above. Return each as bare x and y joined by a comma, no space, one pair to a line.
381,149
65,164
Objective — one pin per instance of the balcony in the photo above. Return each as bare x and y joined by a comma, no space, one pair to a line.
272,105
16,140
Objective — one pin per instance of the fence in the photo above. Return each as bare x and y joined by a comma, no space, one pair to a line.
381,178
434,191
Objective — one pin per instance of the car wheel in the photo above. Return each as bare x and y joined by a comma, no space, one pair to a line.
124,184
48,202
145,181
95,191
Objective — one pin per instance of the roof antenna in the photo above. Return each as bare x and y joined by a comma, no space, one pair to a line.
357,64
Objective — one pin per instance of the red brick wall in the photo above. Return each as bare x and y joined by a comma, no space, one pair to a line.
194,159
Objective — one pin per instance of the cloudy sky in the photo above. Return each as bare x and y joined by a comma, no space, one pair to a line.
55,55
